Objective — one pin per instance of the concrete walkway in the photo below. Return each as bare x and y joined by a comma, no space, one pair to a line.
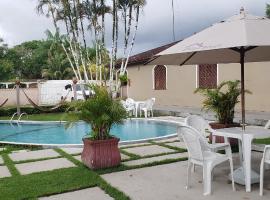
85,194
169,181
252,117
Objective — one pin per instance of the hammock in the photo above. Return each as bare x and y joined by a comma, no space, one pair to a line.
43,108
3,103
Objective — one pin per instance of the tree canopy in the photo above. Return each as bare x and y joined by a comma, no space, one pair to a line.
36,59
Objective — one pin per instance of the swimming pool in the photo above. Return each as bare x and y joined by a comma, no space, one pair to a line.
55,133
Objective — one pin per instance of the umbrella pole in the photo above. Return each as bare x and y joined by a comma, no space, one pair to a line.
242,62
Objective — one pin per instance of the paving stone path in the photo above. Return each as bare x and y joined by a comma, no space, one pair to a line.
72,151
154,159
53,160
31,155
177,144
85,194
45,165
149,150
4,172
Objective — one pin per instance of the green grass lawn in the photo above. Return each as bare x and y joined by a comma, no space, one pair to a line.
57,181
42,117
262,141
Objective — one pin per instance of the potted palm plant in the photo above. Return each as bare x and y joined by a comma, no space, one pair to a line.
101,112
222,101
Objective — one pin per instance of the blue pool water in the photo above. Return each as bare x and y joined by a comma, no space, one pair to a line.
56,133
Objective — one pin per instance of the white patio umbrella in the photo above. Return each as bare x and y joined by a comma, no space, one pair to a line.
239,39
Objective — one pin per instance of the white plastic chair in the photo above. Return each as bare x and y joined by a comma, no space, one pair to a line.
199,153
147,107
267,125
130,105
265,160
202,126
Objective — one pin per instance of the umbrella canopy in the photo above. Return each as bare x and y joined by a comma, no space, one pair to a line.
239,39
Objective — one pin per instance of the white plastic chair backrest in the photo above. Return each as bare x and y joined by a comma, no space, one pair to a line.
267,125
148,104
123,103
199,123
192,141
266,155
130,102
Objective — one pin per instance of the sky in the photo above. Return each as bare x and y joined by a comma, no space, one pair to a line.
20,22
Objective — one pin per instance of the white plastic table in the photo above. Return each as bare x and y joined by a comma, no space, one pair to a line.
137,105
246,137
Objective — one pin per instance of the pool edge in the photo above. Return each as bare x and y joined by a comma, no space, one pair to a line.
81,145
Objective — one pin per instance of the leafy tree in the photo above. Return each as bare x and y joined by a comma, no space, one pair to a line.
3,48
5,65
58,66
33,56
268,10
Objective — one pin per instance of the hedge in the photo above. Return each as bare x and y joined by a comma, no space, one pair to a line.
9,111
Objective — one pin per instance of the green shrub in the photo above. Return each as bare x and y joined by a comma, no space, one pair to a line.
222,100
100,111
9,111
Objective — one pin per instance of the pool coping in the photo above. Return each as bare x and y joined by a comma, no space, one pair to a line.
44,145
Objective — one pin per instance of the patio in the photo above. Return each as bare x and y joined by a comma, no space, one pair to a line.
158,166
168,182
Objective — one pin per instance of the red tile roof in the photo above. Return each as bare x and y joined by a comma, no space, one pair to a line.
143,57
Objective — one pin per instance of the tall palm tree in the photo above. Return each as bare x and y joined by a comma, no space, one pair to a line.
51,9
173,21
137,5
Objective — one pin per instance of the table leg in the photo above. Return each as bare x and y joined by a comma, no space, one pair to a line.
240,152
246,148
136,110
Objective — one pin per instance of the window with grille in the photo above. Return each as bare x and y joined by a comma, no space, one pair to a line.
160,76
207,76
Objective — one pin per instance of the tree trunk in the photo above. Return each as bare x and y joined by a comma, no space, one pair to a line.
133,39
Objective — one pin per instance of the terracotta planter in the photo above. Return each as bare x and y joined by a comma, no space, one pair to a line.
219,139
98,154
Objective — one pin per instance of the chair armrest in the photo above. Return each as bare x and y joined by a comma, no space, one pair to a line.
219,146
266,148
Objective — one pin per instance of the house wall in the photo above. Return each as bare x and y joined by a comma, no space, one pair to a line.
181,83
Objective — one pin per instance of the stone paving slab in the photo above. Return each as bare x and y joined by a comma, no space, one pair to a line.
169,140
45,165
132,145
78,158
153,159
30,155
149,150
124,157
1,160
177,144
167,182
72,150
4,172
21,151
85,194
2,149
